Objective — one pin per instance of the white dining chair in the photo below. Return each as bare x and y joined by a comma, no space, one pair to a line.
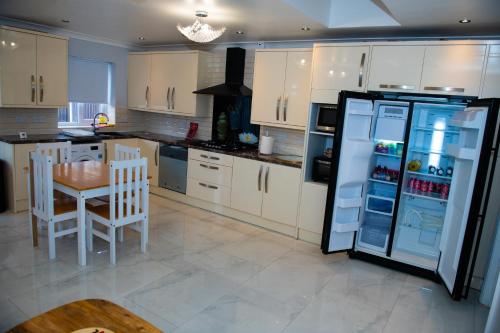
61,153
48,208
123,153
124,209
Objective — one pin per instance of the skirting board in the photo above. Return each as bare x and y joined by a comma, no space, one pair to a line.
226,211
309,236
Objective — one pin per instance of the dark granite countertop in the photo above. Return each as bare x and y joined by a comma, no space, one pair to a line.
167,139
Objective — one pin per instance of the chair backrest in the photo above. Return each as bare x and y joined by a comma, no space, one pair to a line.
123,153
60,151
129,190
43,205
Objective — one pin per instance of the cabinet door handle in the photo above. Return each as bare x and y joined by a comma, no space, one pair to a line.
168,98
147,96
41,88
285,106
361,65
173,98
397,86
156,155
445,89
278,105
259,179
33,88
266,180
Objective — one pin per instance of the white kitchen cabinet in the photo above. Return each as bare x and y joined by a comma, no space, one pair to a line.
266,189
247,185
139,72
396,68
340,68
312,207
33,69
52,70
151,151
491,82
452,69
281,194
208,156
16,159
210,172
164,82
206,191
281,88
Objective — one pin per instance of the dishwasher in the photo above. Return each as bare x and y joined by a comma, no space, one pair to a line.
173,167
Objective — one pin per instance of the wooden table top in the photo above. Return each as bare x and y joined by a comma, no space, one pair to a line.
84,314
83,176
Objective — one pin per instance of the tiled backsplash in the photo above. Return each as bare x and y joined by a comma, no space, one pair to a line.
286,141
15,120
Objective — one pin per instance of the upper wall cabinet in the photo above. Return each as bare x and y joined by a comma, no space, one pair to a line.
452,69
396,68
281,88
33,69
491,83
164,82
340,67
139,71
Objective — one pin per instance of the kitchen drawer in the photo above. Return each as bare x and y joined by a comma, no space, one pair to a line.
207,156
209,192
212,173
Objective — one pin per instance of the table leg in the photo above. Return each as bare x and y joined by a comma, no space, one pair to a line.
82,251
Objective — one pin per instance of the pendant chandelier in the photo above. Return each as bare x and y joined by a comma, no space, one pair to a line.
200,32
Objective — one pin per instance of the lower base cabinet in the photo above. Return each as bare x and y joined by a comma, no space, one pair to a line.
265,189
312,207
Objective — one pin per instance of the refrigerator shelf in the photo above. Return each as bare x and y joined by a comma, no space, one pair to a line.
428,151
382,181
427,129
427,175
387,155
425,196
378,212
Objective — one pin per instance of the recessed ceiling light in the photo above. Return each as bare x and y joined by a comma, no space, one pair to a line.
65,21
305,28
142,38
240,32
464,20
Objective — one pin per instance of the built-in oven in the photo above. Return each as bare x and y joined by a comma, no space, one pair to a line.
326,118
173,167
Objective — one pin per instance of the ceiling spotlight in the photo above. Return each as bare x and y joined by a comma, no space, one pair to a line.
240,32
305,28
464,20
142,38
65,21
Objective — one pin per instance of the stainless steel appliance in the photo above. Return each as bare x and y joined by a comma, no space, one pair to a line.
173,167
326,119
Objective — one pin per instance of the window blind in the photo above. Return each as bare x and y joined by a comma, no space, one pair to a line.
88,81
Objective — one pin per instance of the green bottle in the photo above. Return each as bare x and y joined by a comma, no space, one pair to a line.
222,127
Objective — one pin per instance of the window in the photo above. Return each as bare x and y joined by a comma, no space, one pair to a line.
90,89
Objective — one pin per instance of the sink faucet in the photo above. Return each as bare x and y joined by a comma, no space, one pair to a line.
94,125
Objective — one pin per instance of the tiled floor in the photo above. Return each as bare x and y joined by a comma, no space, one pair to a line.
207,273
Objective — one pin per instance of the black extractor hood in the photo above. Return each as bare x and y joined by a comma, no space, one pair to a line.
235,69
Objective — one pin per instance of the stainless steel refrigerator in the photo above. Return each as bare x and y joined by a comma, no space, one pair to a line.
410,179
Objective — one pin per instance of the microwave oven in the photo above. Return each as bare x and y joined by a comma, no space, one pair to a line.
326,119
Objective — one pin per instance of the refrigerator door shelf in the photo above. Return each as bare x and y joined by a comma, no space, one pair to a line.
349,202
461,153
345,226
472,119
419,241
379,205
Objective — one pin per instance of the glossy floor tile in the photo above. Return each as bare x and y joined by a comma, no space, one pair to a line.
208,273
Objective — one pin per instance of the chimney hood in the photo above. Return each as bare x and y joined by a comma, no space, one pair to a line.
235,68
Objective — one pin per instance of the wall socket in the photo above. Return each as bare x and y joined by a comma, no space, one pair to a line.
23,135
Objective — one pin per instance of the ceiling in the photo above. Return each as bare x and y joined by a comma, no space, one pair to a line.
124,21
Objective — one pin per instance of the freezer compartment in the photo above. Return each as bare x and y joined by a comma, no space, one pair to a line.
374,233
379,204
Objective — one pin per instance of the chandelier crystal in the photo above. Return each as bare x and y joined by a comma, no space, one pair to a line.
200,32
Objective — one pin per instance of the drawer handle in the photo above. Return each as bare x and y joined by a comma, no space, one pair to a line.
213,168
204,156
213,187
397,86
203,165
445,89
214,158
202,184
